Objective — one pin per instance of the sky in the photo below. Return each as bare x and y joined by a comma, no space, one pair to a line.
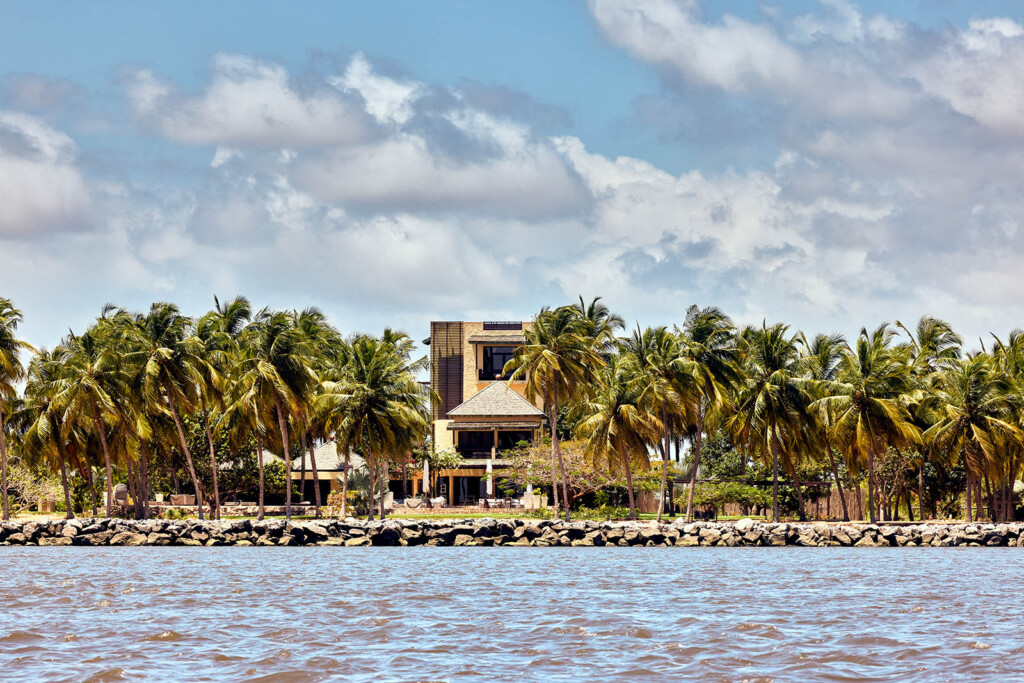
825,163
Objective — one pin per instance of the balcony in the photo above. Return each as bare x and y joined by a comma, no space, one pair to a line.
492,375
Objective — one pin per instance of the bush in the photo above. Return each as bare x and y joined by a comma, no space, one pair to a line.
717,494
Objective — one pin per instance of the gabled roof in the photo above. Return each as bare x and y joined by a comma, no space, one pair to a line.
496,400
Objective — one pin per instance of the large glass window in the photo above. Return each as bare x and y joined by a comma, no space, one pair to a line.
476,443
495,358
507,440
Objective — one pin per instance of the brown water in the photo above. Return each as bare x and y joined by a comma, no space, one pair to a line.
511,614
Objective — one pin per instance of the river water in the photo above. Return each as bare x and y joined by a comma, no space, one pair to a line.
511,614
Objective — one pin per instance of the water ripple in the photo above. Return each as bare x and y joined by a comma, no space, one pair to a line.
509,614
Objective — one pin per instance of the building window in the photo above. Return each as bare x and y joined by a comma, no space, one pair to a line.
508,440
495,358
475,444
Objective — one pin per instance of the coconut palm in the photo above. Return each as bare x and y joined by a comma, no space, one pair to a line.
665,383
618,424
978,408
932,343
558,361
376,406
601,322
770,400
12,372
820,361
216,334
710,361
274,373
46,435
167,359
91,381
866,403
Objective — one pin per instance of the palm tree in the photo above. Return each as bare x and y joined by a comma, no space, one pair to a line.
665,383
821,365
601,322
977,413
933,342
46,435
771,401
710,356
376,406
91,379
12,372
167,357
865,405
617,425
558,361
217,336
273,374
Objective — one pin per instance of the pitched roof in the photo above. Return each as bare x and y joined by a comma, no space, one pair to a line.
495,400
327,459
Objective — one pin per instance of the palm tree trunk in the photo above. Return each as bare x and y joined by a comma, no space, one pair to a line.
629,482
383,479
92,492
69,514
910,505
992,510
215,504
697,440
3,469
552,418
344,486
871,483
835,475
102,429
775,474
302,467
316,480
259,461
371,465
920,487
799,496
558,451
286,447
184,447
144,468
664,461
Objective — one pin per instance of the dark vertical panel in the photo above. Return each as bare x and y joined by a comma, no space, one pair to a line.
446,365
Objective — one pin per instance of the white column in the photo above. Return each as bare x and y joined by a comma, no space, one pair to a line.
426,477
490,480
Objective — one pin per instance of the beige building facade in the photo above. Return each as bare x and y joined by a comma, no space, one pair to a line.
481,412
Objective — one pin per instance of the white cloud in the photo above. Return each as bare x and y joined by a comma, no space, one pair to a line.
248,102
736,56
40,187
388,100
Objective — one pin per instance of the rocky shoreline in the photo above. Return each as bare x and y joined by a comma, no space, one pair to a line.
497,532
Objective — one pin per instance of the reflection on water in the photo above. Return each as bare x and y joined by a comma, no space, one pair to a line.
515,614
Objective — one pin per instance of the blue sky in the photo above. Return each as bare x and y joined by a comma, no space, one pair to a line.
833,164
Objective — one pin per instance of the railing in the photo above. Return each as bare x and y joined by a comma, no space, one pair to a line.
491,376
503,325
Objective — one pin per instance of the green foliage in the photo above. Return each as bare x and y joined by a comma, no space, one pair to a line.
717,494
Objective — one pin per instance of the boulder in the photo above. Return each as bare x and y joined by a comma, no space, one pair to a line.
56,540
744,525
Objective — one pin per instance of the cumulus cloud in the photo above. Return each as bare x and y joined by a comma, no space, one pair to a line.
248,102
40,187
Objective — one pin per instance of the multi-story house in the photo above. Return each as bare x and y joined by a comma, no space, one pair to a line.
481,412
